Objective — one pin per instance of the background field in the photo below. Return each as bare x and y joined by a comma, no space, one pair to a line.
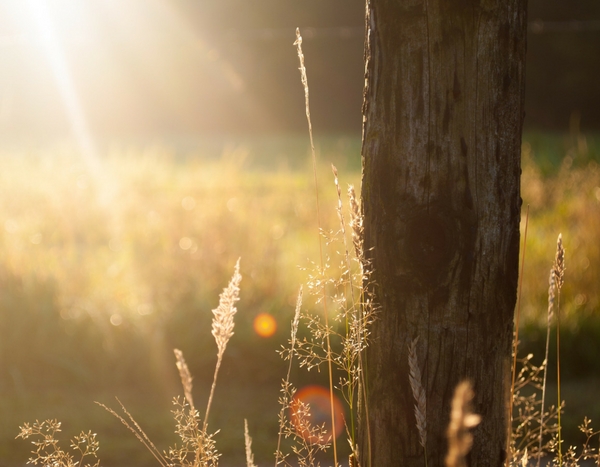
102,276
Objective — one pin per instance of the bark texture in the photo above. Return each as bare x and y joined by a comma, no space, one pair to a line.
443,115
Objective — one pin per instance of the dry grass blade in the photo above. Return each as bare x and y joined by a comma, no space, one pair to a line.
462,420
137,431
551,296
296,320
418,392
248,445
186,377
304,79
516,341
558,271
356,223
525,459
222,325
285,401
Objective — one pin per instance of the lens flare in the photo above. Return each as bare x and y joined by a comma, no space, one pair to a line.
265,325
318,401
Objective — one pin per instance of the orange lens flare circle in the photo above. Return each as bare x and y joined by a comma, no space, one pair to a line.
265,325
310,409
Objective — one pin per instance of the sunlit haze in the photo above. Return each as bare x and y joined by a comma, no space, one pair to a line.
79,68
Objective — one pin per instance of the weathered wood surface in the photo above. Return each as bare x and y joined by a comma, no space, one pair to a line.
443,115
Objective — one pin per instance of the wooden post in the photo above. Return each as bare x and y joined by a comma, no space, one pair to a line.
443,113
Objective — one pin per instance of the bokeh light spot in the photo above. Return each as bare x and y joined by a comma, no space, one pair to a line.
277,231
318,401
116,319
265,325
232,204
185,243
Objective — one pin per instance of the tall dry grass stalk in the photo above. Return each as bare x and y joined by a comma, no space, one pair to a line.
140,434
558,271
197,448
285,400
222,325
516,343
248,446
185,375
419,394
551,297
366,307
462,419
354,310
304,79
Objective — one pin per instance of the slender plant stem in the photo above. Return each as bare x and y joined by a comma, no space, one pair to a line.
558,376
287,377
298,43
545,363
516,343
212,391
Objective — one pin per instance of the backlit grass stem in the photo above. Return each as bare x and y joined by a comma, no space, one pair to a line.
304,79
558,270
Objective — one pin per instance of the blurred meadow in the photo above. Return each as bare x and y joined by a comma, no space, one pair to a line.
102,276
145,146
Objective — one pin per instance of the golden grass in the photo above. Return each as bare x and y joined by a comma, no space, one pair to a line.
108,235
462,419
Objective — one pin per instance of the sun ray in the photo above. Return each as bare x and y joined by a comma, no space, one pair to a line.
54,52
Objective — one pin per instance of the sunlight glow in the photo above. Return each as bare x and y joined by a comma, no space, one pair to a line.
64,81
318,400
265,325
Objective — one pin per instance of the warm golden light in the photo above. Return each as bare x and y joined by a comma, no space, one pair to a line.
99,71
265,325
318,402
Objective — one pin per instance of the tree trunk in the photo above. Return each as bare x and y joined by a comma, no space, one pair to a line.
443,113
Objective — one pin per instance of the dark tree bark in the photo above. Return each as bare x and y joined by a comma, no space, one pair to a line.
443,114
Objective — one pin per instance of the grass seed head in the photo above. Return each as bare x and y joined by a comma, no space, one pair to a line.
222,324
462,419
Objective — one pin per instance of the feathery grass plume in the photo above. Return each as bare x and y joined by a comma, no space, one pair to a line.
197,447
367,307
48,452
222,325
356,223
418,391
248,445
559,263
525,459
558,270
462,419
355,311
186,377
352,318
304,79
